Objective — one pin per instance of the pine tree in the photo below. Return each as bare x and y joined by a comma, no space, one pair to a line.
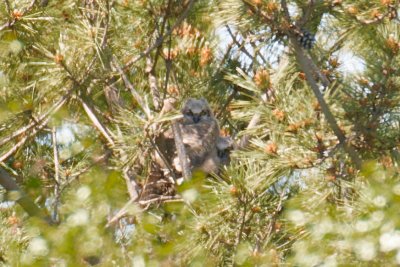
307,89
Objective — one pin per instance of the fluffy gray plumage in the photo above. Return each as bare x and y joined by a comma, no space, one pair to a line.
200,130
205,149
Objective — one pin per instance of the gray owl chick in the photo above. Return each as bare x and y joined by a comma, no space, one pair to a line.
224,147
200,136
219,156
200,132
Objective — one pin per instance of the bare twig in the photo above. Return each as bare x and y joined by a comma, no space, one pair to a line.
239,45
138,98
130,179
121,213
56,175
97,123
168,66
153,83
160,40
162,156
253,122
124,210
258,53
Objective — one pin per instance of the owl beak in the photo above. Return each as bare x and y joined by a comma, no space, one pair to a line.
196,118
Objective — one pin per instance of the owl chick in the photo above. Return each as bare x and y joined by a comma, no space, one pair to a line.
218,156
200,130
224,146
200,133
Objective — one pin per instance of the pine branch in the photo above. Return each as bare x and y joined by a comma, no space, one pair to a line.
11,23
227,102
307,14
304,65
242,224
161,32
21,142
391,13
75,175
226,56
111,94
132,186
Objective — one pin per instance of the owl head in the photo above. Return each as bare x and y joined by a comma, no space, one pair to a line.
224,147
196,110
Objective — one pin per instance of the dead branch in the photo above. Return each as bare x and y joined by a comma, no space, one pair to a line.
155,92
97,123
253,123
56,175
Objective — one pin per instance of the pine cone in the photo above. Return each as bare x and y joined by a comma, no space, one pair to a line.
306,39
